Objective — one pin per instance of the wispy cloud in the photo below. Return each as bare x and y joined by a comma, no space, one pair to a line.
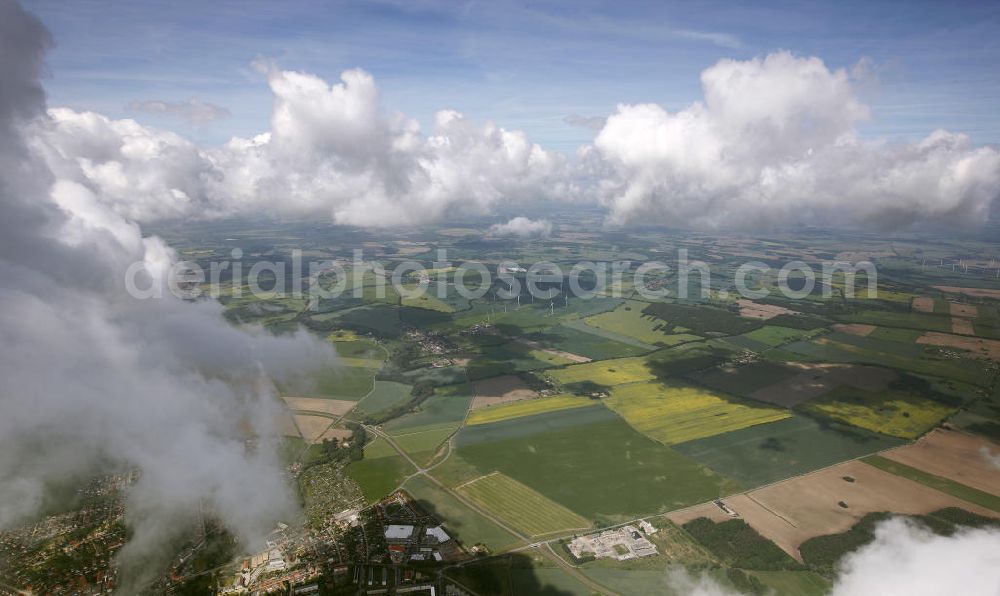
192,110
589,122
723,40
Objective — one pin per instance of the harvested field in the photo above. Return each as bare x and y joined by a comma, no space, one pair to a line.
286,426
859,329
791,512
333,407
953,455
312,427
962,326
963,310
527,510
753,310
526,408
677,413
923,304
974,292
977,347
709,510
500,390
557,353
818,379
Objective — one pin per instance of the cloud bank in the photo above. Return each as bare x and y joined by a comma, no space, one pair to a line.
776,140
330,150
91,379
522,227
908,559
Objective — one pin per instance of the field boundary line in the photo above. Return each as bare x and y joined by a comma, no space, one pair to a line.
476,479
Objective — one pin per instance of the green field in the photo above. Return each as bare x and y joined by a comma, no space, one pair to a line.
745,379
578,342
628,319
343,382
894,334
386,394
794,583
445,409
525,509
771,335
381,470
508,358
599,333
769,452
839,347
955,489
586,459
905,320
675,412
422,445
466,524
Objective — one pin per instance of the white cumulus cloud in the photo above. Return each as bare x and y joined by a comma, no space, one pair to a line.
776,140
331,149
523,227
907,559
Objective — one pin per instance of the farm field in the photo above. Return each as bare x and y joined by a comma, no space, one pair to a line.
423,445
628,319
312,427
794,583
342,382
330,407
380,471
500,390
675,413
523,508
605,372
743,380
866,350
574,341
892,413
600,333
769,452
510,357
957,456
583,458
815,380
976,347
910,320
772,335
526,408
645,581
809,505
384,395
466,524
446,408
966,493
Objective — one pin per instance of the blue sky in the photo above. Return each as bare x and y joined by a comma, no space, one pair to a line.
523,65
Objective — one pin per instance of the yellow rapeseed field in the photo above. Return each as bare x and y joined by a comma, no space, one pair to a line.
675,413
606,372
889,413
528,407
